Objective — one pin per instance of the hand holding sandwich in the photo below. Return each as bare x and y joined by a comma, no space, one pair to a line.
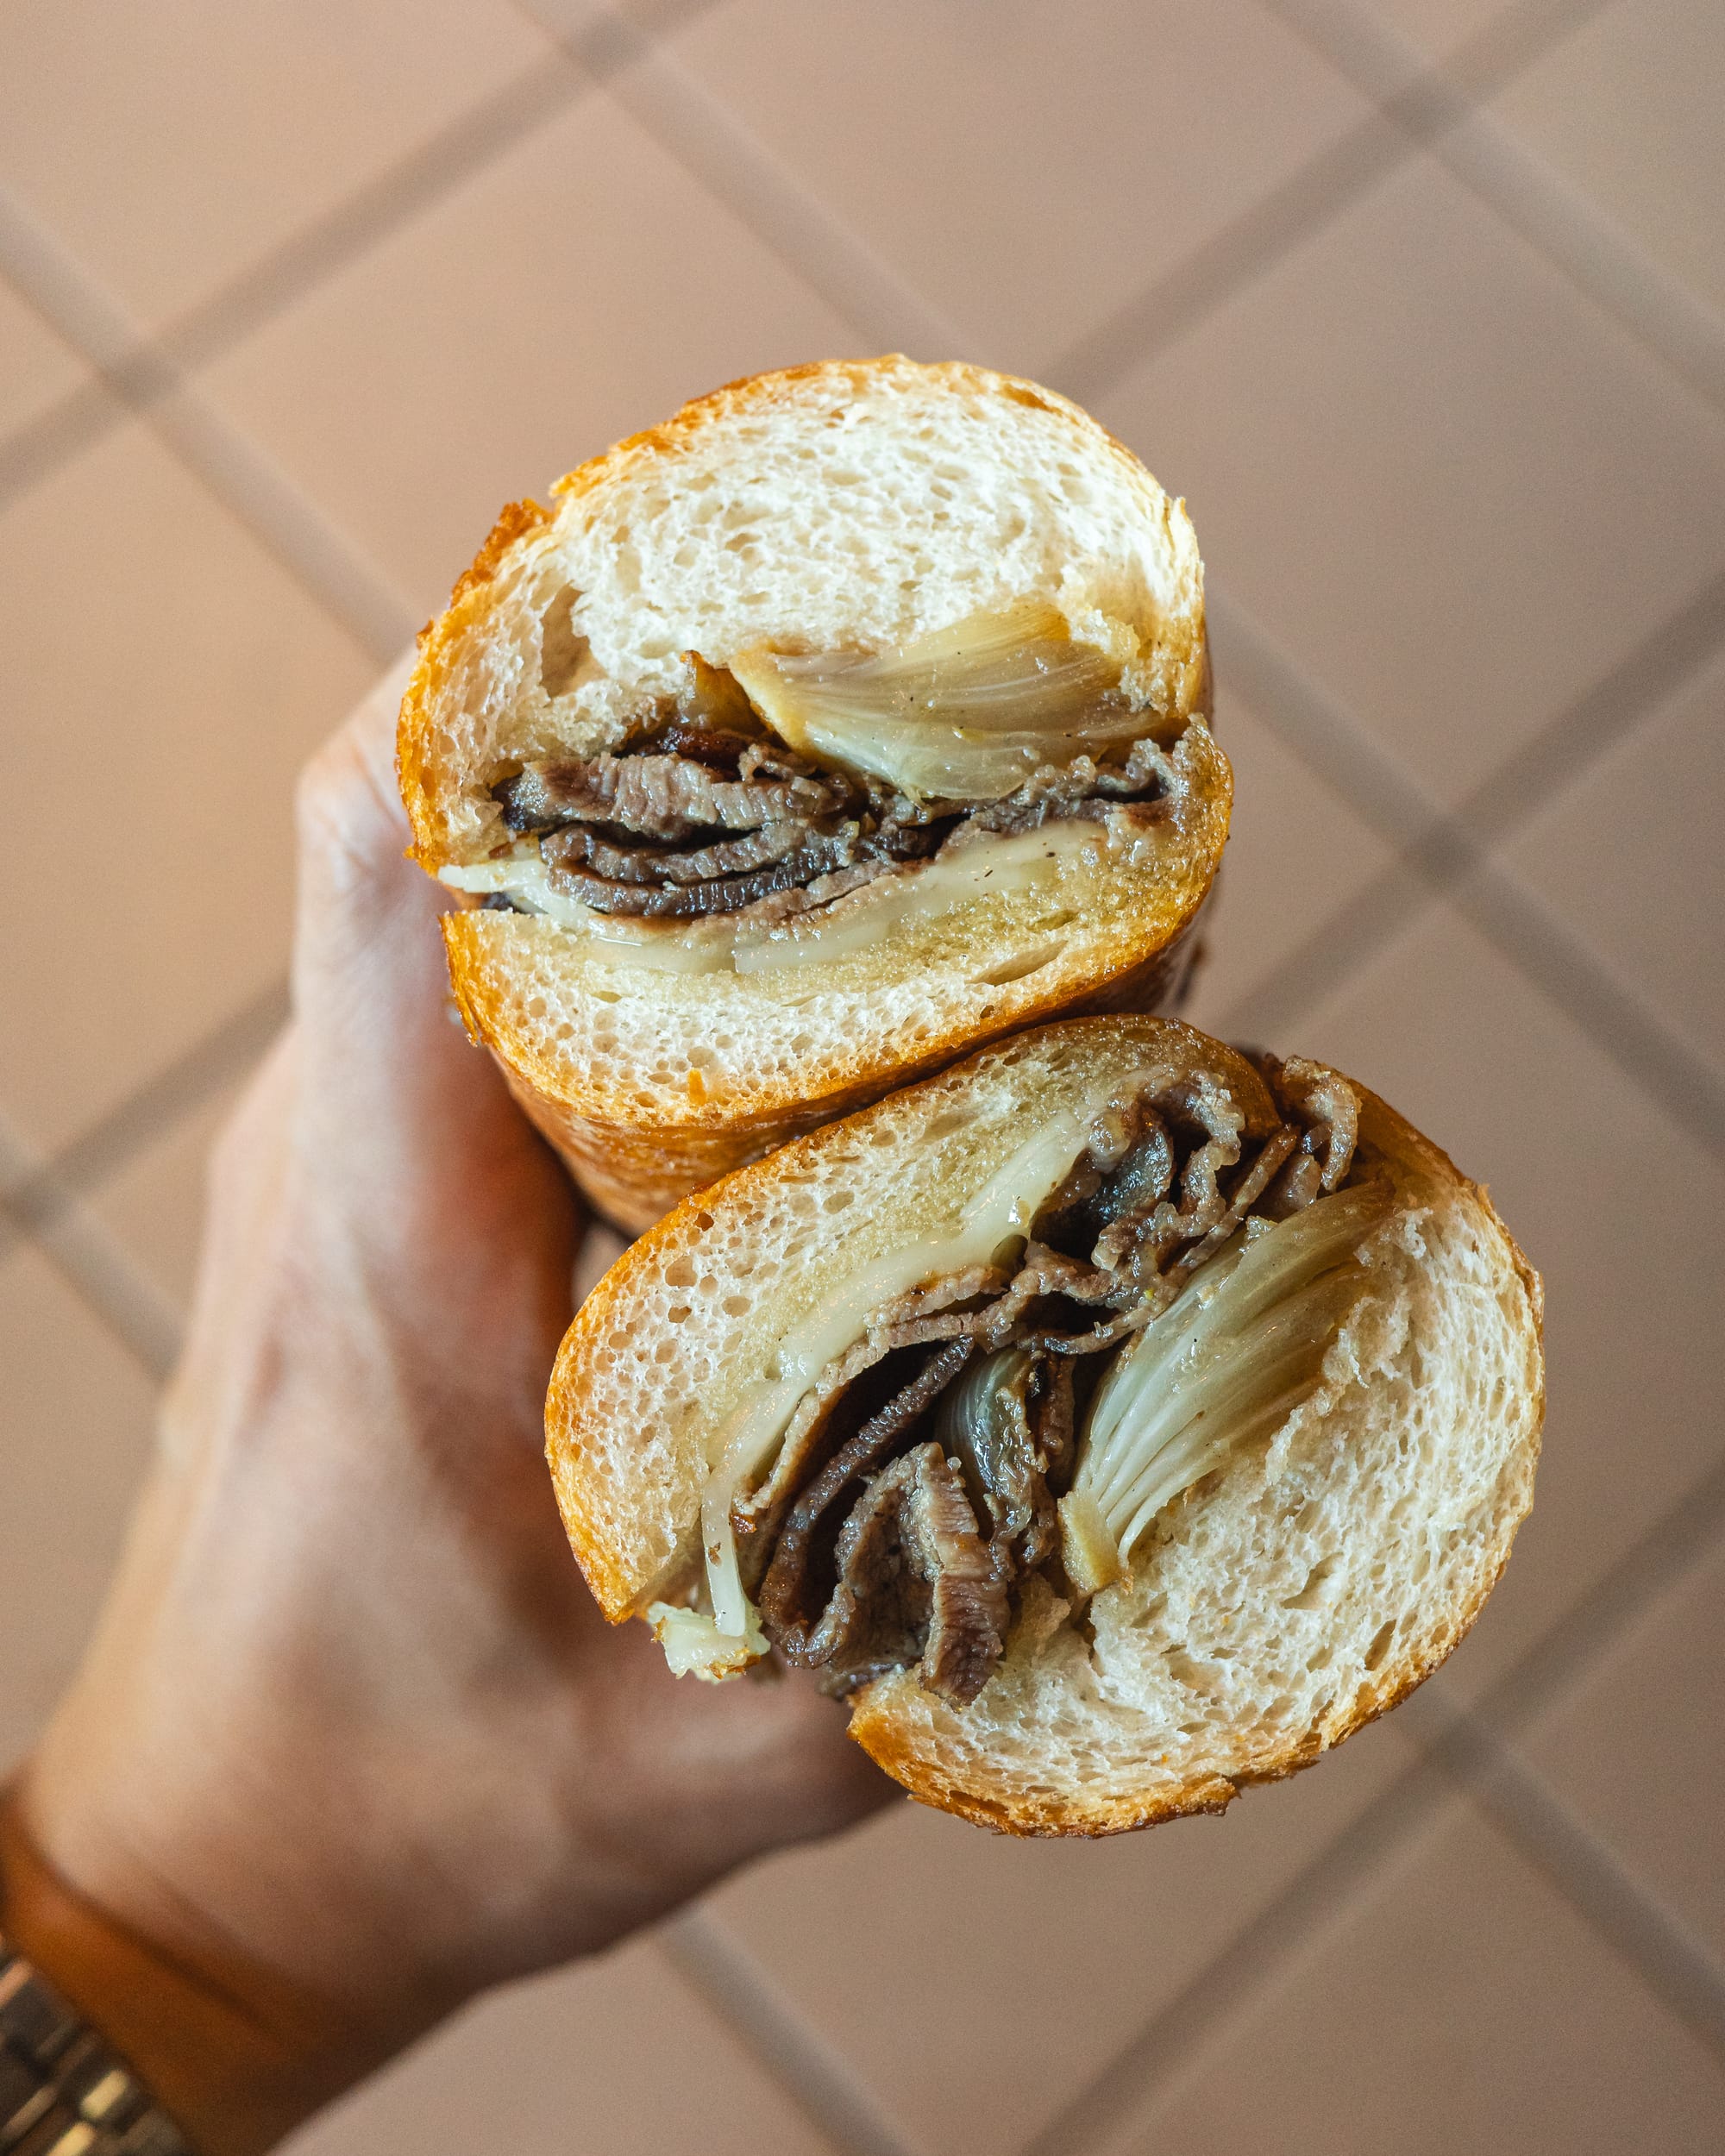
353,1741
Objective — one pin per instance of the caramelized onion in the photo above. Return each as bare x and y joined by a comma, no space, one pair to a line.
966,714
1228,1360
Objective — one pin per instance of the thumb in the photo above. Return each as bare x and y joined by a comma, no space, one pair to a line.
392,1094
368,983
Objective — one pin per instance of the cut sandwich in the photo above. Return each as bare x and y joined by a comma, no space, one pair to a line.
1113,1419
853,718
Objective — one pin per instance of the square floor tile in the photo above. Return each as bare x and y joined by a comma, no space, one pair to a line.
35,367
154,1203
1628,108
76,1427
1612,1203
1294,854
1638,1751
1465,2007
582,288
619,2055
169,145
978,1983
1025,172
166,679
1632,856
1448,486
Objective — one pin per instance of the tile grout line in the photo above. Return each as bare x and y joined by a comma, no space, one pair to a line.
1312,197
1644,683
1532,779
304,542
1205,280
133,377
1442,849
1519,922
737,171
1171,2043
817,2079
1558,221
1144,2069
92,1263
1669,1959
33,1197
264,289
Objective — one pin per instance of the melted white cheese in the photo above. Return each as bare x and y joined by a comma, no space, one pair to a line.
983,867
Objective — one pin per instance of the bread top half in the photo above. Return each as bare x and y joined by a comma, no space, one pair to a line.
847,503
852,504
1281,1603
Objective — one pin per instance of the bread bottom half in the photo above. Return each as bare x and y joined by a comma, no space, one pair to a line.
651,1084
1275,1605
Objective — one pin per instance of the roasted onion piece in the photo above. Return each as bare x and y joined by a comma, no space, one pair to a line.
966,714
1229,1359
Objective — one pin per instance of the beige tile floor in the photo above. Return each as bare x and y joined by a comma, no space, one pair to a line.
1419,303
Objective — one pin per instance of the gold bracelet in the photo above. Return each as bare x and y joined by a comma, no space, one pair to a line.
62,2091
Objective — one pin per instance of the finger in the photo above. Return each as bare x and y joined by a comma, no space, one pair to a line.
368,972
391,1082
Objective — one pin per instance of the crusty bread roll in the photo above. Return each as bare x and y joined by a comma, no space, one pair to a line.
979,623
1279,1499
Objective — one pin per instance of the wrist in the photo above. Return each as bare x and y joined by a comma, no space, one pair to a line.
234,2056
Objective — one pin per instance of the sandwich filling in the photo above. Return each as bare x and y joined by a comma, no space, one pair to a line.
764,793
1165,1294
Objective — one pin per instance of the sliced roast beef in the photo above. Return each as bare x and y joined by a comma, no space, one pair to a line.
725,875
916,1585
953,1309
786,1588
1084,789
1326,1109
967,1622
663,797
703,812
584,846
979,1433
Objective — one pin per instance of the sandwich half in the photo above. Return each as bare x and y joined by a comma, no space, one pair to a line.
851,720
1114,1420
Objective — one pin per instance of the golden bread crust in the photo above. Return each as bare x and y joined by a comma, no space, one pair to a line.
634,1165
420,770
